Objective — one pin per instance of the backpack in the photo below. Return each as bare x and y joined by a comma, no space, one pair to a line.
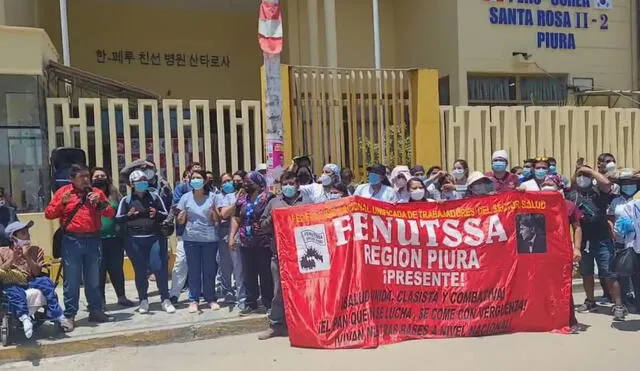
167,226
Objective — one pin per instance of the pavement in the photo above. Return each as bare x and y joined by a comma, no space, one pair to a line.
130,327
133,329
602,346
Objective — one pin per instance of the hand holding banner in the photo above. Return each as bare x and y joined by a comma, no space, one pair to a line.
357,273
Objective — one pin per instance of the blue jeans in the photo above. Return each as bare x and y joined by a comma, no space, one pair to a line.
601,251
81,258
18,298
149,253
202,267
231,263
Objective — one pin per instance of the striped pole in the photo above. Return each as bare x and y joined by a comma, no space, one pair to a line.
270,37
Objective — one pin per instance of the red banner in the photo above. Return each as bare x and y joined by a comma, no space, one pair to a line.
357,273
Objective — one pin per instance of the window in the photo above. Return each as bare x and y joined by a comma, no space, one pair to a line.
512,90
24,171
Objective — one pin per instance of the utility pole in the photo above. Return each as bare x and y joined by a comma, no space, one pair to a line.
270,36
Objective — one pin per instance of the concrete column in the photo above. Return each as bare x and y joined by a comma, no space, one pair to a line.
312,21
330,33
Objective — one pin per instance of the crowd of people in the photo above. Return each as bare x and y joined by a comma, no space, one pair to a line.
226,252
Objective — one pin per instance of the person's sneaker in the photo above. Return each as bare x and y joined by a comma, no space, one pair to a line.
124,302
144,307
247,311
588,306
619,312
174,300
27,326
272,333
100,317
167,306
66,324
214,306
193,307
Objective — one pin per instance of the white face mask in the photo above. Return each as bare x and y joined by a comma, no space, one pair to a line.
417,194
21,243
611,166
583,182
458,174
325,179
548,189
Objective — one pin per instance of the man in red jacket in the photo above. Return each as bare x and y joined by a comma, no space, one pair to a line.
81,206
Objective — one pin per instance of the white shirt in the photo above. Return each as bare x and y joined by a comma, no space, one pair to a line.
313,193
619,207
386,193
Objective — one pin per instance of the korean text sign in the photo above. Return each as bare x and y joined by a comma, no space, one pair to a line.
357,273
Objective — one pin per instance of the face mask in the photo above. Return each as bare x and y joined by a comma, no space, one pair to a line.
417,194
401,183
583,182
611,166
21,243
540,173
334,196
100,183
499,166
228,187
325,179
548,189
289,191
197,183
141,186
150,173
526,172
375,179
629,189
457,174
553,169
481,189
237,186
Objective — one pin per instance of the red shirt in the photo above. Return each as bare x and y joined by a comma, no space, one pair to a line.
87,219
509,183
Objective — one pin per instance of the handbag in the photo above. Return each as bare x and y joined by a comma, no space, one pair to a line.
57,236
624,262
167,227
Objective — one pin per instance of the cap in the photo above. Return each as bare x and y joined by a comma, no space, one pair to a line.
624,174
475,176
417,169
16,226
500,154
136,176
377,169
333,168
261,167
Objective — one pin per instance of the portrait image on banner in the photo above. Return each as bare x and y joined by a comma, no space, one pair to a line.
359,273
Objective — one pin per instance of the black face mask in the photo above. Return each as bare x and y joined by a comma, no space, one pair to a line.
101,184
237,186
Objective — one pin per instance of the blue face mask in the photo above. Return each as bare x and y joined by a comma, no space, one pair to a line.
499,166
526,172
289,191
375,179
629,189
141,186
228,187
197,183
553,169
541,173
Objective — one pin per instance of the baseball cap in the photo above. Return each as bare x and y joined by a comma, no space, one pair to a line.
377,169
261,167
476,176
16,226
500,154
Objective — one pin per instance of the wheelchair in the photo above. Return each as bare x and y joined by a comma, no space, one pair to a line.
37,310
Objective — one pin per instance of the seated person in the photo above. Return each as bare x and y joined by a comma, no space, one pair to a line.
24,260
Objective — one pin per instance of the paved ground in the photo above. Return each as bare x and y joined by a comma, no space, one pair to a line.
127,319
602,346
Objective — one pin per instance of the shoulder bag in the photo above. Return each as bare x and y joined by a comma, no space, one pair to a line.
57,236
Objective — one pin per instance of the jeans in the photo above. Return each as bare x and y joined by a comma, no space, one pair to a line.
112,263
202,265
257,265
149,253
231,262
179,272
276,315
81,259
600,251
17,297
